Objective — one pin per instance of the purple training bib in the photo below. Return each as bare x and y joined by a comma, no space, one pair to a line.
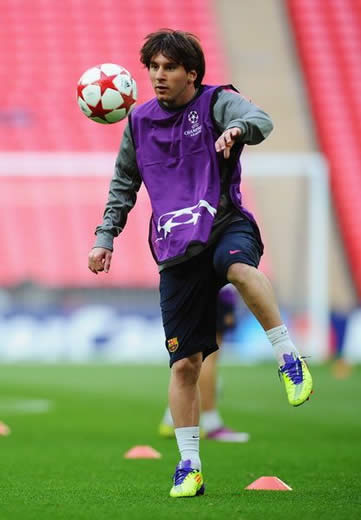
179,166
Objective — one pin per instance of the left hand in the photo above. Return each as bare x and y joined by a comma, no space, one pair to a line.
225,141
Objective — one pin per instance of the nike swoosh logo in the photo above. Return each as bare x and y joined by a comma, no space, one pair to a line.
195,436
234,251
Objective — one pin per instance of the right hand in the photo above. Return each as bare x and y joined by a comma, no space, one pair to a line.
225,141
99,259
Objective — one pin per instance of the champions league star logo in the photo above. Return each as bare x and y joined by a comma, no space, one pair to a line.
193,117
196,127
182,217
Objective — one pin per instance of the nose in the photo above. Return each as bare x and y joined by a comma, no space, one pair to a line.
160,73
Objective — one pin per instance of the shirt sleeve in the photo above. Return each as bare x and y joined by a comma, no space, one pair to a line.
233,110
123,189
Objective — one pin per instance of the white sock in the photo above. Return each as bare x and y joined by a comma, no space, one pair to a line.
188,444
281,343
211,421
167,418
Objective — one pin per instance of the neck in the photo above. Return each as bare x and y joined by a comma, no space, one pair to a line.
172,104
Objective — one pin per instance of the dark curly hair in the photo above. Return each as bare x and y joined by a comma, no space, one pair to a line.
182,47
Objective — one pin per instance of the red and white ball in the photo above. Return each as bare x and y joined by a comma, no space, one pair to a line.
106,93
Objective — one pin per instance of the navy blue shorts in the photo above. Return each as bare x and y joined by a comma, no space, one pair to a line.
189,290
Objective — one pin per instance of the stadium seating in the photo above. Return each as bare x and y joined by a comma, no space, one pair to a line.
328,38
49,211
50,44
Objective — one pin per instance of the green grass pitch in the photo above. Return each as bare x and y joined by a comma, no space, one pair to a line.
68,463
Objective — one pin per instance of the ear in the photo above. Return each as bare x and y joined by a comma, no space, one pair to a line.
192,76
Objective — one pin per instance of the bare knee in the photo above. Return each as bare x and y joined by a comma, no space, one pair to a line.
187,370
240,274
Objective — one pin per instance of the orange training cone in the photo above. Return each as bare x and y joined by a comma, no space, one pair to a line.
4,429
142,452
269,483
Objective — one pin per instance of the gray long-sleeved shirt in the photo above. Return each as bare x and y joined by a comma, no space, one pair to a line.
229,110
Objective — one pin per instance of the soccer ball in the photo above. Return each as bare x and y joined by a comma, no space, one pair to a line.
106,93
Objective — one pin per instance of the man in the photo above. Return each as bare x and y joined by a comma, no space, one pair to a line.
211,423
185,146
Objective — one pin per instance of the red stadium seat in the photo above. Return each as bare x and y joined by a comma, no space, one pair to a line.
47,215
328,37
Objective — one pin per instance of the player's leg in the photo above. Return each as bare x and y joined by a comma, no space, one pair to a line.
184,403
208,382
212,425
208,397
166,427
188,304
258,295
256,290
211,421
183,395
208,390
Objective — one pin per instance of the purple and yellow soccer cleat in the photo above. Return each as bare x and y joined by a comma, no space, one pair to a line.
187,482
297,379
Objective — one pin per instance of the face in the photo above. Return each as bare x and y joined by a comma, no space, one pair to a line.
172,84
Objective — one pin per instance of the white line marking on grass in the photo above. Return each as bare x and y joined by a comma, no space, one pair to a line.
22,406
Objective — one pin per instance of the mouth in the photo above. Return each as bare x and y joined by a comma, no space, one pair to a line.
161,88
